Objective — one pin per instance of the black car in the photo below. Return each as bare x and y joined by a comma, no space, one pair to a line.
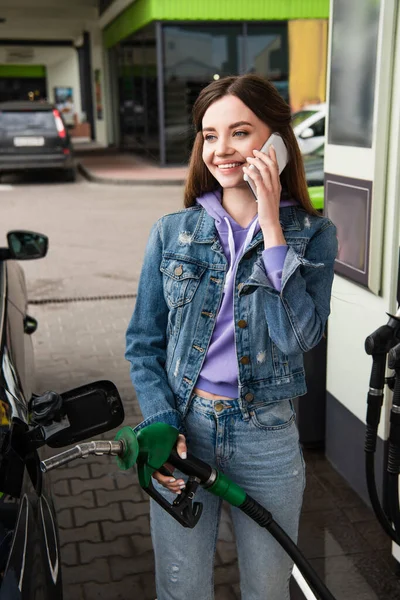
33,136
30,566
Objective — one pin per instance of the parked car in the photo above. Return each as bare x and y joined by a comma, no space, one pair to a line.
314,168
309,127
33,136
30,566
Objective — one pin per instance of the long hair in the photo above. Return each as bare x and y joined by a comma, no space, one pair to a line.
266,103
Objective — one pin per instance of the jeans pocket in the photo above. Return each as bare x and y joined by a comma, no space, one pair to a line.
273,417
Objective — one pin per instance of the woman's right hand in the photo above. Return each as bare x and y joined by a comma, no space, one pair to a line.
170,483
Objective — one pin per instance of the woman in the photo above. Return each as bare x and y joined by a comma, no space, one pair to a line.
231,294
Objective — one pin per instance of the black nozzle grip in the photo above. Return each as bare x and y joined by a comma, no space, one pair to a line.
377,379
380,341
190,466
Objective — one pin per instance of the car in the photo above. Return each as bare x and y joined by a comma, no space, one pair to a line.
314,169
30,565
33,137
309,127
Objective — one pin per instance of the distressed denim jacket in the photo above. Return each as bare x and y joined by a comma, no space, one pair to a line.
179,295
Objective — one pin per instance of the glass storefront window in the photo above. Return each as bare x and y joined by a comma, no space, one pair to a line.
267,54
138,98
194,55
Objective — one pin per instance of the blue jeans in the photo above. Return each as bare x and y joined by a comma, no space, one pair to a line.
262,455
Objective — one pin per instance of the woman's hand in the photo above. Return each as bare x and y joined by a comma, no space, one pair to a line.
268,189
172,484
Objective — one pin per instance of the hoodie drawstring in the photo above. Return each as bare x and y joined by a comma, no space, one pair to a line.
232,251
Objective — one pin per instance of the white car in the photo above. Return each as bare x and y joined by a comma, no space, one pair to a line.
309,127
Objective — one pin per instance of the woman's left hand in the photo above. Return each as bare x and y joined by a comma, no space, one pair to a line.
268,186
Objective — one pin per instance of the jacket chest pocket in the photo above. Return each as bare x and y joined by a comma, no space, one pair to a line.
181,280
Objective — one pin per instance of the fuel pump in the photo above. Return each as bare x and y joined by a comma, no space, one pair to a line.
383,344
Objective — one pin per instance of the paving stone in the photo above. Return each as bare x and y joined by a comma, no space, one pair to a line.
106,497
86,515
64,517
227,552
80,485
85,499
126,479
79,471
131,510
236,589
148,586
139,526
74,592
61,488
121,567
225,531
102,469
224,592
81,534
141,543
69,554
97,571
226,574
130,588
120,547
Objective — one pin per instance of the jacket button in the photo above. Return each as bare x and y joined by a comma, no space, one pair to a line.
218,406
178,271
244,360
242,323
249,397
240,285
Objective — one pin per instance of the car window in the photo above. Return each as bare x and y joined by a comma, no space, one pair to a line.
301,116
319,127
21,122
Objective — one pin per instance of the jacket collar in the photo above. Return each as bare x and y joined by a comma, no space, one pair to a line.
206,233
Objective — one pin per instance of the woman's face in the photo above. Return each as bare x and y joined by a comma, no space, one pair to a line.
231,131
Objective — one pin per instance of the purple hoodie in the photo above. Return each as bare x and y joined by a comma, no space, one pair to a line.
219,374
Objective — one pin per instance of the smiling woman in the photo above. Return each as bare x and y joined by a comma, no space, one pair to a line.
232,293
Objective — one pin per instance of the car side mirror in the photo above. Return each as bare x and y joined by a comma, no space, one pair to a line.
27,245
90,410
307,133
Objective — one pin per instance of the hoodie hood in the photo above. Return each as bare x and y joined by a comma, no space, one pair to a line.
233,237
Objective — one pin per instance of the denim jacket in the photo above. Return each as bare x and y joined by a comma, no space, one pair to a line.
179,295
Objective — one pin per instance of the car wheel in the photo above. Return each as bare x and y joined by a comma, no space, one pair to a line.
70,175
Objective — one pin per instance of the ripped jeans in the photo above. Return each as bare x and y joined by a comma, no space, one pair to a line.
263,456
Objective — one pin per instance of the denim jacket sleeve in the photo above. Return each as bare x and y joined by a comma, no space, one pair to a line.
297,314
146,341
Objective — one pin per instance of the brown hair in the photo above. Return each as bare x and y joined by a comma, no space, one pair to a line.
266,103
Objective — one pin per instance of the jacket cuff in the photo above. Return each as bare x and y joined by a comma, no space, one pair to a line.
259,277
274,259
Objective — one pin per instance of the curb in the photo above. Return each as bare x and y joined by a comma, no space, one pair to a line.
107,180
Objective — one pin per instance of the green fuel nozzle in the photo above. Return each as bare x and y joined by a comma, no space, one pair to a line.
155,445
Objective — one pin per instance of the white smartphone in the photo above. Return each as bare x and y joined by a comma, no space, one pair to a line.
282,157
